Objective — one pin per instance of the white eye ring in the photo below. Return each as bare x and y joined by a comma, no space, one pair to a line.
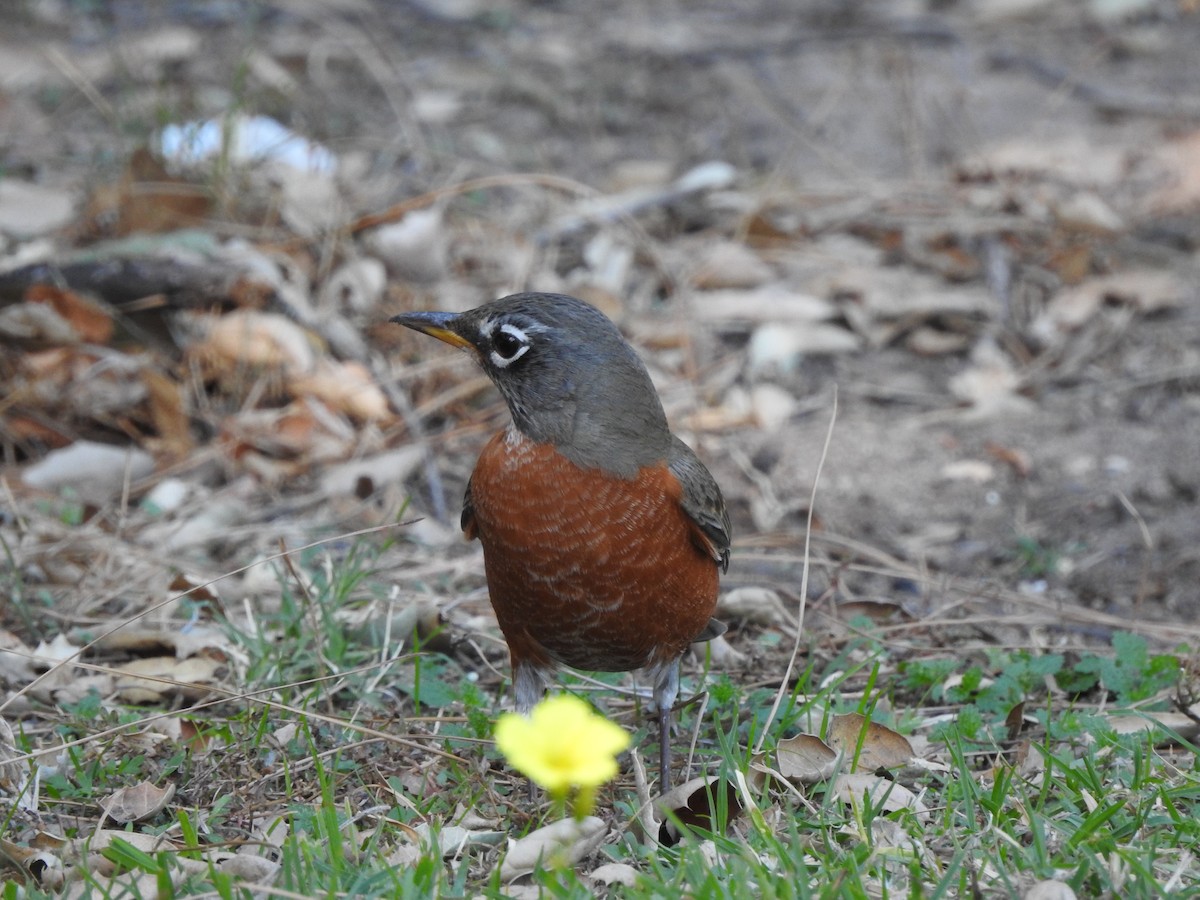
503,362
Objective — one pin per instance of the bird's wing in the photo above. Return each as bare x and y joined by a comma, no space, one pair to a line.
702,501
467,520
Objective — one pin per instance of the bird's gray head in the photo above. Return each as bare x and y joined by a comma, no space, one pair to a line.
568,376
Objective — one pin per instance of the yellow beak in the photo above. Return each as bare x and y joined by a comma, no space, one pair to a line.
435,324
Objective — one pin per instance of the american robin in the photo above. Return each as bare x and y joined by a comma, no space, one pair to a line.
603,534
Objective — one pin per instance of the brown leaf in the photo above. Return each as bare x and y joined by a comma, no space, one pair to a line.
87,319
189,677
868,745
347,387
255,339
148,199
167,413
805,759
138,802
696,804
1015,458
881,612
1015,720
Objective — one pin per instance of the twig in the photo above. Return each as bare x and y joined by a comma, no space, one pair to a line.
1106,100
812,505
1148,547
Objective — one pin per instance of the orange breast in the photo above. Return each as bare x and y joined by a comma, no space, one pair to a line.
585,569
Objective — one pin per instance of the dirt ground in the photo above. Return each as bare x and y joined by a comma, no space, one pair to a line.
994,207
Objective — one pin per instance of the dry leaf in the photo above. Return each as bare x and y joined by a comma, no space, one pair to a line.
975,471
148,200
773,406
1171,726
1049,890
1072,159
46,867
1016,459
96,471
719,653
357,286
246,337
1179,161
90,322
167,413
729,264
779,347
78,688
695,804
990,384
1145,290
880,747
416,248
57,652
28,210
452,840
773,303
362,477
15,665
926,340
880,612
138,802
805,759
255,869
347,387
1086,211
615,873
183,676
14,772
1015,721
879,792
566,842
755,605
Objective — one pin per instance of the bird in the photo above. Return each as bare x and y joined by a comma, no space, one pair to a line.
603,534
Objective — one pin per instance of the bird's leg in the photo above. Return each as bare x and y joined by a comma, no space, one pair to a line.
529,684
666,689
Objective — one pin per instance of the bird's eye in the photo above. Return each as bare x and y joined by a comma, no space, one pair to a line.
510,343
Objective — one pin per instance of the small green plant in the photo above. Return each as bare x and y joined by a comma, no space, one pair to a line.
1131,673
1035,559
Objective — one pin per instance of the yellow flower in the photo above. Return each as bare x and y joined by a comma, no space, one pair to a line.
562,744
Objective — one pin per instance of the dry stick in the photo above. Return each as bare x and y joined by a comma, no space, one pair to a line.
157,606
1147,548
812,504
81,81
